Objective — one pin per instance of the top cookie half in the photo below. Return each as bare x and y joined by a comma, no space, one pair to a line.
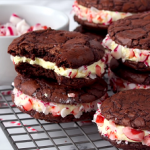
129,40
97,14
62,55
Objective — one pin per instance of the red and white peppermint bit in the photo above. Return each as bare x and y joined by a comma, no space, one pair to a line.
22,27
5,104
28,105
146,140
6,92
132,54
133,134
11,30
112,135
117,53
37,27
18,26
92,76
100,120
76,112
73,75
113,126
71,95
2,31
98,70
14,19
19,124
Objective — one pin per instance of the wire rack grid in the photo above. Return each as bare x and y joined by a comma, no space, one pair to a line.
26,133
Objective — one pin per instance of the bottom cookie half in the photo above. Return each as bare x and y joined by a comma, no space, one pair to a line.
126,145
58,119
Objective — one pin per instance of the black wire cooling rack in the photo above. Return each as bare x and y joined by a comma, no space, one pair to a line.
26,133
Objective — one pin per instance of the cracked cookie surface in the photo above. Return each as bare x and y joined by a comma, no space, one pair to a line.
115,5
128,108
132,32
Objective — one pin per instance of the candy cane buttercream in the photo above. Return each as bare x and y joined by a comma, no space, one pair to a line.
28,103
98,16
125,53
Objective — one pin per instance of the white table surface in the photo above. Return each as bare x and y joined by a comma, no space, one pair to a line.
63,5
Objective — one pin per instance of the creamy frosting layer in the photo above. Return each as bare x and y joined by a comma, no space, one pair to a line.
97,68
119,84
29,103
120,133
124,53
98,16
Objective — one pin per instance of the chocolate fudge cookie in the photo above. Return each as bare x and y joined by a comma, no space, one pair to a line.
99,14
124,78
45,99
129,40
123,119
95,35
129,74
71,58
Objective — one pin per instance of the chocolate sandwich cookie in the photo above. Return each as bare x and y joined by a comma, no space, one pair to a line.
122,77
49,101
71,58
95,35
99,14
124,119
129,41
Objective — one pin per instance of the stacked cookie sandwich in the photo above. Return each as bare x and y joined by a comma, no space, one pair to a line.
124,119
128,41
59,75
96,16
99,14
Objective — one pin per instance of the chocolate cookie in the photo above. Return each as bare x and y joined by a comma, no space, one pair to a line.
140,66
45,98
90,25
115,5
126,145
129,40
99,14
123,119
129,74
68,57
95,35
119,84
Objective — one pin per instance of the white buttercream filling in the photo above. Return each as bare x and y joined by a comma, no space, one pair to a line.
98,16
125,53
122,85
29,103
108,127
81,72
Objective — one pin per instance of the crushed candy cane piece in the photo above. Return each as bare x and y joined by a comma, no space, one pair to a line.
71,95
133,134
15,19
18,26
